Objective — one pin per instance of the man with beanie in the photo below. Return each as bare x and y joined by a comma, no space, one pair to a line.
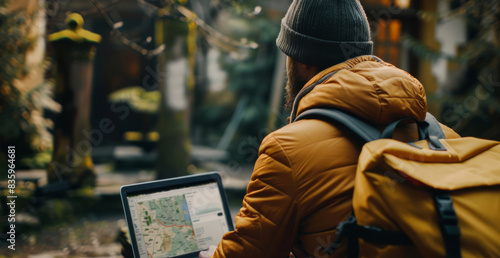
302,184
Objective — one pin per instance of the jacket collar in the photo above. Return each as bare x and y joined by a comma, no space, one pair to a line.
323,76
366,87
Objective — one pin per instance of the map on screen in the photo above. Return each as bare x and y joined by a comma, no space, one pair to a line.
179,221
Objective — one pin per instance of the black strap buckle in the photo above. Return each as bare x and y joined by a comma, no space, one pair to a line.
343,230
448,223
349,228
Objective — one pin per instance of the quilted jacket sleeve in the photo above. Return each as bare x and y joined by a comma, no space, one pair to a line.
267,223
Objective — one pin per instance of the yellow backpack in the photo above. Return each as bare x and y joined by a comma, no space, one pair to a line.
432,198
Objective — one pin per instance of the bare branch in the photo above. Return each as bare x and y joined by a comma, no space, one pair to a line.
115,26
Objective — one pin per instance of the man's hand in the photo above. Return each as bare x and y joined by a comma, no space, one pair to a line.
207,253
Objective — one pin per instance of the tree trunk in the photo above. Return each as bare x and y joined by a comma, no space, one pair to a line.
176,83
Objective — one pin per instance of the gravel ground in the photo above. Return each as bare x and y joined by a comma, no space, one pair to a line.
90,236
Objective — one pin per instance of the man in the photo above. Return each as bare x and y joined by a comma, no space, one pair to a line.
302,184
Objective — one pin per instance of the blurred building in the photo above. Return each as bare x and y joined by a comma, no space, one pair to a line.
120,65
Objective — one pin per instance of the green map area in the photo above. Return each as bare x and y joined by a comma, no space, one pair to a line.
167,226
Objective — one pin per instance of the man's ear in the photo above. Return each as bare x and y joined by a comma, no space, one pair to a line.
304,71
308,70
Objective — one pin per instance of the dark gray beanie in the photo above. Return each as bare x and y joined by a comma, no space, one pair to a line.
324,32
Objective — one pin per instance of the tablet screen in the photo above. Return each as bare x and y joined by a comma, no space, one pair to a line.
178,221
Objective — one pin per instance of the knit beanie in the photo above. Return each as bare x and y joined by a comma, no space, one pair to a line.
324,32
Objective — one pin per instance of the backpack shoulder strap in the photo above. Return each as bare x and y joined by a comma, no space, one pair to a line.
428,129
364,130
435,128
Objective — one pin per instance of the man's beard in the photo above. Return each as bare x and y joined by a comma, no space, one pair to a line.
293,86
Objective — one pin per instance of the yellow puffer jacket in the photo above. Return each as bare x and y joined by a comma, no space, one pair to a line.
302,183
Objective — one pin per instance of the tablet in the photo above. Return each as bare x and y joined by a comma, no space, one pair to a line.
176,217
